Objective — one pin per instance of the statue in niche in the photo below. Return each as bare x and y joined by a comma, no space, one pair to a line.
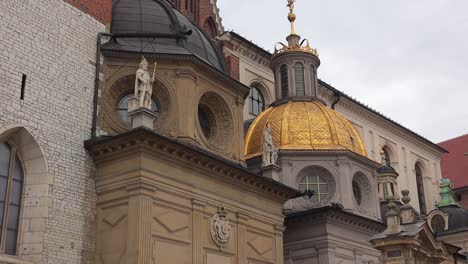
269,152
144,84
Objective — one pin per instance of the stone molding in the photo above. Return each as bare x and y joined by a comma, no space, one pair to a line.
340,217
148,141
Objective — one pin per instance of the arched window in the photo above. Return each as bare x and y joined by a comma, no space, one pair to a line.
284,81
11,192
256,101
388,162
122,108
299,74
312,81
437,223
420,186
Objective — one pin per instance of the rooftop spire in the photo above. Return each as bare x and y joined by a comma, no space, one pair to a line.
291,15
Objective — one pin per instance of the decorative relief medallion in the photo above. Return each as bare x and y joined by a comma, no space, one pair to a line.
220,228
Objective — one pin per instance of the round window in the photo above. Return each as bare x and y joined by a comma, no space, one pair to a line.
317,184
122,108
207,121
357,192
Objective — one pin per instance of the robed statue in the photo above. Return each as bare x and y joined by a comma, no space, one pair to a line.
144,84
269,152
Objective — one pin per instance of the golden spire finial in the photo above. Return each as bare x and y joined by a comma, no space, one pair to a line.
291,15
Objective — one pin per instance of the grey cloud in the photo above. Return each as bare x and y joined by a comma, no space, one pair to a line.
406,59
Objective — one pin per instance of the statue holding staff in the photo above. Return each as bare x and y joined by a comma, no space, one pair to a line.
144,84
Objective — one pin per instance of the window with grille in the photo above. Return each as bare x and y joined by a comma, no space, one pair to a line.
314,183
257,104
11,192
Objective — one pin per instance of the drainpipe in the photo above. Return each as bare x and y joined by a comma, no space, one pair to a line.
337,100
96,82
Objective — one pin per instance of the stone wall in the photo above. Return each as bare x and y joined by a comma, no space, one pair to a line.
53,44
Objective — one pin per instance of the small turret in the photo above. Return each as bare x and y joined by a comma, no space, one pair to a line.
446,194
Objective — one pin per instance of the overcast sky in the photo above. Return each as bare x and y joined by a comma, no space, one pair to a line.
406,59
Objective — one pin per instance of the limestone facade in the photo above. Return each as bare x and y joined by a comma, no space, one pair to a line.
180,91
53,44
159,201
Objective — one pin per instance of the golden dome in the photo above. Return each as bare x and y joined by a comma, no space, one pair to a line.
303,125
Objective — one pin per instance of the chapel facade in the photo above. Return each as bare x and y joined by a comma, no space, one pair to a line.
139,131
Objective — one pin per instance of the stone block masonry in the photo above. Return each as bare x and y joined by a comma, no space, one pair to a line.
53,43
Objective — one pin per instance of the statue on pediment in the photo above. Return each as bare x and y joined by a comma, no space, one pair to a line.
144,84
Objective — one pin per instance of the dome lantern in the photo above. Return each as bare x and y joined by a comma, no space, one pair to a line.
295,64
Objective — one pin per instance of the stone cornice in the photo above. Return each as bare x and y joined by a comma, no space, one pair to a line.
346,152
142,139
329,214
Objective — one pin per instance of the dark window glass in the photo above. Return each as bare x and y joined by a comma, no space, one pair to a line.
312,81
299,73
420,186
256,101
388,162
10,244
284,81
357,192
5,155
10,205
122,108
206,120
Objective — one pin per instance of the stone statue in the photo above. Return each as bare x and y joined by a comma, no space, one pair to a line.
144,84
270,154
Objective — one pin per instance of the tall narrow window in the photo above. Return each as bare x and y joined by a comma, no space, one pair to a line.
312,81
388,162
299,74
256,101
11,189
284,81
420,186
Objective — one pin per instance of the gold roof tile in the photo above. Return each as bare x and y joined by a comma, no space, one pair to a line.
304,125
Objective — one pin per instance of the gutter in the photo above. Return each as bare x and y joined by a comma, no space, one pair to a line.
96,81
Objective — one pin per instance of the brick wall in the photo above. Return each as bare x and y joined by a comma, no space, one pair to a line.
101,10
232,63
53,43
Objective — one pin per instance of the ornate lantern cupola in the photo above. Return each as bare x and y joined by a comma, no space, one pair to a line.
295,65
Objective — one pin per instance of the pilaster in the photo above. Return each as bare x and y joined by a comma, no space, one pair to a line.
279,254
242,221
187,106
140,241
198,209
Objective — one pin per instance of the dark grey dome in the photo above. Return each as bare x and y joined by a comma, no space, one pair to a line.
458,217
155,27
